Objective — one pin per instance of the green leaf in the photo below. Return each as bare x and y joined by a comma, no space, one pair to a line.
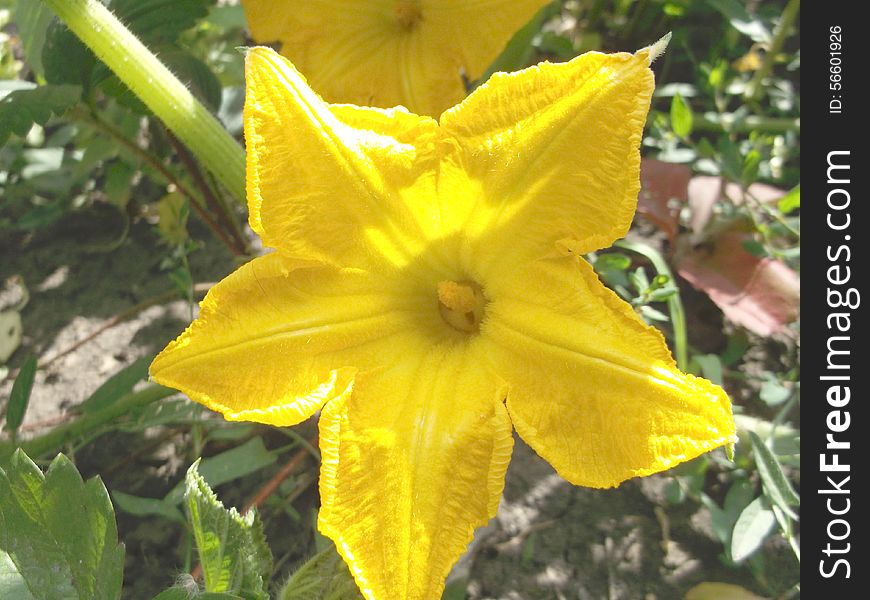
791,201
160,20
232,548
752,527
117,386
20,394
324,577
57,532
612,261
147,507
681,117
232,464
776,484
32,18
196,75
65,57
711,366
21,109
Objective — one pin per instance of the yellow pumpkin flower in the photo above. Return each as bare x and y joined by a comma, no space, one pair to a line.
385,53
428,293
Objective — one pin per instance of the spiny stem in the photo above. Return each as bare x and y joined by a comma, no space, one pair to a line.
88,422
157,87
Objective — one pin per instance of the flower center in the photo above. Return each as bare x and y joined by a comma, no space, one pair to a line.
408,13
461,305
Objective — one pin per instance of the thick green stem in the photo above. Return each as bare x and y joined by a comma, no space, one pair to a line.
786,21
87,423
158,88
675,304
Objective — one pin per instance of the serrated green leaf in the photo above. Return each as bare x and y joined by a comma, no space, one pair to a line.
681,117
117,386
776,484
752,527
324,577
20,394
232,548
790,201
227,466
58,531
21,109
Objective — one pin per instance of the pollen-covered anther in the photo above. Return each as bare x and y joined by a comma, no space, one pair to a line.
408,13
461,304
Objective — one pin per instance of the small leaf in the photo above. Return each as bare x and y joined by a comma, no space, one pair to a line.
613,261
791,201
232,548
776,484
147,507
20,394
711,367
681,117
752,527
117,386
67,60
773,393
59,532
324,577
21,109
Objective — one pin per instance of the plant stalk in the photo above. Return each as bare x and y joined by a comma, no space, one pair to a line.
783,28
87,423
158,88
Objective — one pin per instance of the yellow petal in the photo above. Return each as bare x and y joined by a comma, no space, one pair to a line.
275,340
390,52
413,461
551,154
325,184
592,388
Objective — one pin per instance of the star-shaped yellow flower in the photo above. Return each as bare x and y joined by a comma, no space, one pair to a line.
386,53
428,294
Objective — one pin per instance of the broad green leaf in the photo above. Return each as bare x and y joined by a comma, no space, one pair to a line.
12,581
790,201
776,484
65,57
20,394
324,577
59,533
752,527
117,386
195,74
160,20
31,19
232,548
681,116
232,464
147,507
21,109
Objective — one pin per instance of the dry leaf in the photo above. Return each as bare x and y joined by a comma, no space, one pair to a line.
761,294
720,591
664,189
705,190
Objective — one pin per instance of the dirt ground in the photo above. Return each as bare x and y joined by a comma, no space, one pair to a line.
549,540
